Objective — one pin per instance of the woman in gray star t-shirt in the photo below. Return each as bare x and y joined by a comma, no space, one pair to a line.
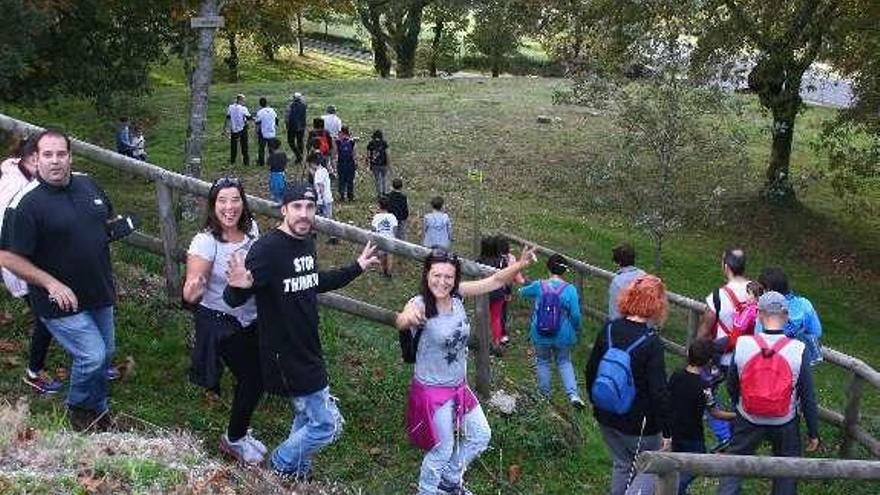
439,397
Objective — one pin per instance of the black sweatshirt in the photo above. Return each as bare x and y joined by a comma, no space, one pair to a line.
286,285
649,374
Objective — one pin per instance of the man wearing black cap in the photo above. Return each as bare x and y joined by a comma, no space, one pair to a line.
281,270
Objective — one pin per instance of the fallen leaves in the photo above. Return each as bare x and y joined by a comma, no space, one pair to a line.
514,473
9,345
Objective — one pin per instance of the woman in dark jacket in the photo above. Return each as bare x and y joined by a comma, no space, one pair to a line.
637,428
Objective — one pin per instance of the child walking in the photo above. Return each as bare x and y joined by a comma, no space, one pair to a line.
691,398
277,166
384,223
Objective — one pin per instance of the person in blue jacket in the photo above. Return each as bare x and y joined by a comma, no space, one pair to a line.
803,321
556,343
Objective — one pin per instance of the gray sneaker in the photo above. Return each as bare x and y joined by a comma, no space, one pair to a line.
241,450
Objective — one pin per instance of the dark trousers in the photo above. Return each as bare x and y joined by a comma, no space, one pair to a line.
261,149
234,139
40,340
785,441
346,182
241,355
690,446
295,139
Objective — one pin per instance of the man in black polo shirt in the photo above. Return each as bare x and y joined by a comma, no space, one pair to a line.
57,226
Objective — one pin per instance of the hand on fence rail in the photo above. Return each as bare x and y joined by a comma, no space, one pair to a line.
368,256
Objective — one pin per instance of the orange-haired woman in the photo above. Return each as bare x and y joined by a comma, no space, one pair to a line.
632,422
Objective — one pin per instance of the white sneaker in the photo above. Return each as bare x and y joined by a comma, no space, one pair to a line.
577,402
242,450
256,444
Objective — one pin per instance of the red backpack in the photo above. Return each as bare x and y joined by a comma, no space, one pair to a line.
766,382
744,315
324,143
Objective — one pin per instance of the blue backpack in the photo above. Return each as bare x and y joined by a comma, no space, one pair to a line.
614,389
549,311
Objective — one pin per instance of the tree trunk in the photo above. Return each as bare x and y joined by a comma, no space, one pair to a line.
299,33
232,59
778,187
777,82
198,117
409,41
370,18
496,66
381,60
435,47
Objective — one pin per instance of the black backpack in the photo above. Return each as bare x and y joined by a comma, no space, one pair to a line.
409,343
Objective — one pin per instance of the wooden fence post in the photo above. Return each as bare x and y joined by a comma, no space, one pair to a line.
579,285
667,484
168,229
483,334
693,322
851,415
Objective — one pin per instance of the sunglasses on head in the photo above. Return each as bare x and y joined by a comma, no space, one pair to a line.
442,255
224,182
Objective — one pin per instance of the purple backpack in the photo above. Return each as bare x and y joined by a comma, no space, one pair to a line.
549,311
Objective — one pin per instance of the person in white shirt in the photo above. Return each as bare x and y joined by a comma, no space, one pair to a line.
237,116
267,121
332,124
384,223
723,304
322,187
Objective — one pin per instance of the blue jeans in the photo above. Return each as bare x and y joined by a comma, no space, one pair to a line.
276,185
89,338
544,356
316,423
691,446
448,459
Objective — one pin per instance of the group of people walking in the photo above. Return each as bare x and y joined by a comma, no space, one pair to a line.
256,313
760,338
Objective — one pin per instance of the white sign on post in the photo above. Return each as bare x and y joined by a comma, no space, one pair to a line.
214,21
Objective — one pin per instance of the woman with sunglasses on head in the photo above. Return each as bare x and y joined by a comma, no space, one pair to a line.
225,335
439,398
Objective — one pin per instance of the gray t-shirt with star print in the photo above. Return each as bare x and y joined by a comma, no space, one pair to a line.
441,359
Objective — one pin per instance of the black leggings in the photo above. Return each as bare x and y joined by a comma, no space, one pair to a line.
40,340
241,355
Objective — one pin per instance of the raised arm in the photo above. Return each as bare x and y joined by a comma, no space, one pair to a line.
413,315
498,279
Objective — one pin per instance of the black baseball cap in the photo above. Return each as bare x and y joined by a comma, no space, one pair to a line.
295,191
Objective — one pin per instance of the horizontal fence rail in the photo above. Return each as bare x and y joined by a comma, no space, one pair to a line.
668,465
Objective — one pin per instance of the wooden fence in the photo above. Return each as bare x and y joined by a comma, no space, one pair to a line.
668,465
167,246
860,372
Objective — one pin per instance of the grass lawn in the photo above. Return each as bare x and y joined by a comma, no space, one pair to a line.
437,130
